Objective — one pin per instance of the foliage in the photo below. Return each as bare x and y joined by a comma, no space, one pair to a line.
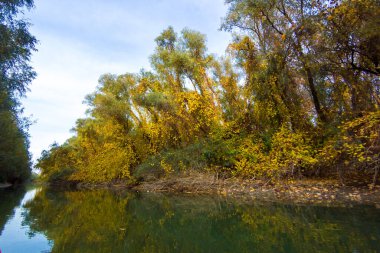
361,139
291,152
16,46
296,94
357,146
58,163
191,157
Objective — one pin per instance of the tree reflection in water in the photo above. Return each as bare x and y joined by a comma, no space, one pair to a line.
106,221
10,198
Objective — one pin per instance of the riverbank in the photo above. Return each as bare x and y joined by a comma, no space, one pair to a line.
305,191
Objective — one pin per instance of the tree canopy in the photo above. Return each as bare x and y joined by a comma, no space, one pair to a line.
295,95
16,46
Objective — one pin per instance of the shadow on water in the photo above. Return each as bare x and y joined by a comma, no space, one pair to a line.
105,221
10,198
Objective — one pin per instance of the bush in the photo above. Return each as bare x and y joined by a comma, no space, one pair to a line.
356,149
173,161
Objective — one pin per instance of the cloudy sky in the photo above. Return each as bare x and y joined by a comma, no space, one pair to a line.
81,40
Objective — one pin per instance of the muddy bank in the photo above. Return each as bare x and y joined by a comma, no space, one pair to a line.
327,192
305,191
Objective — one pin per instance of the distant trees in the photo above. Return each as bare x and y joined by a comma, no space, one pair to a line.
16,46
297,94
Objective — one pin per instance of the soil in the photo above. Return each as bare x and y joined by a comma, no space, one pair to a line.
304,191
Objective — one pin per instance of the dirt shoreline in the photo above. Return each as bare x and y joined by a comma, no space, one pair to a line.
305,191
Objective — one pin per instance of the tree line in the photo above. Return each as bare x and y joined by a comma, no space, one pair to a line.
295,95
16,46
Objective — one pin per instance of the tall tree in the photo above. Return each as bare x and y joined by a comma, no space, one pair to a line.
319,50
16,46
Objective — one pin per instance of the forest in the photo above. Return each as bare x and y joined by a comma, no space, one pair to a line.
16,47
296,95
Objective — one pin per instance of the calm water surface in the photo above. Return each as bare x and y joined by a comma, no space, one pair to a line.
46,220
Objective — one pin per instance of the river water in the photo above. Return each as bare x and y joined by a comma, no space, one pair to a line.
43,220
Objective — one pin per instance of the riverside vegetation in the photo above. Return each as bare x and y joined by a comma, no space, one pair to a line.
296,95
16,45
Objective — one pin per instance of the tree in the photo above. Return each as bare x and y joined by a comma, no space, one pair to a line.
16,46
281,103
335,62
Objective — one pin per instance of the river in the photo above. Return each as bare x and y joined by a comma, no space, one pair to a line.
51,220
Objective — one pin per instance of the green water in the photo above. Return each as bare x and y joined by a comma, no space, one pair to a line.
104,221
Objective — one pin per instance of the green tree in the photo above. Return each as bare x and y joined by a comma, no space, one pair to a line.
281,103
335,62
16,46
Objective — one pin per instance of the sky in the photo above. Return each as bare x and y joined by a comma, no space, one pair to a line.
81,40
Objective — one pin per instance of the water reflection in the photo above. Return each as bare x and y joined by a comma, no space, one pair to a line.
15,236
9,199
105,221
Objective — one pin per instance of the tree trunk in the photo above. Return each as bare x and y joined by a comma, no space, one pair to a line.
314,94
375,175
